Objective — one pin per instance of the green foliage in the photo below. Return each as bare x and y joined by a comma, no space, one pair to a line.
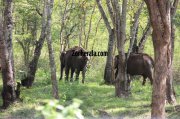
95,97
177,18
53,110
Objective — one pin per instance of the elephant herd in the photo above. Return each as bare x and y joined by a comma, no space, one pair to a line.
137,64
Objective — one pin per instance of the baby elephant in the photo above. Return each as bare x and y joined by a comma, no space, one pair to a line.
76,60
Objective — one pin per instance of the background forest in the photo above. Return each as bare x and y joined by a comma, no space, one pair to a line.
79,22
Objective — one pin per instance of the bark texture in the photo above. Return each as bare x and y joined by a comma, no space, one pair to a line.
8,29
170,92
159,12
108,73
8,92
121,86
50,49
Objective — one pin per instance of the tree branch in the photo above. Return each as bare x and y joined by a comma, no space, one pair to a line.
146,33
38,11
134,27
104,16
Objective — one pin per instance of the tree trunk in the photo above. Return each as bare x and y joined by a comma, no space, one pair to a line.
170,92
135,47
159,12
29,79
144,37
63,20
101,10
8,92
83,25
122,85
108,73
50,48
8,27
80,33
90,26
134,28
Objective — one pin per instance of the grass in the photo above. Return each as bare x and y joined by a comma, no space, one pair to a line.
95,97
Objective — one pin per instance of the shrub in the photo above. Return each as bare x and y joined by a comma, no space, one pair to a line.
53,110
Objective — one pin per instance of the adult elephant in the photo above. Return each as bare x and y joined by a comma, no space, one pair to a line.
74,59
138,64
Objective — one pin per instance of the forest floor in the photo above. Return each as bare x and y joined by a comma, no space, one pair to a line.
97,99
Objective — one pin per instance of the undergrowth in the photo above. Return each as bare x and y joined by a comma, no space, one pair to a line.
96,99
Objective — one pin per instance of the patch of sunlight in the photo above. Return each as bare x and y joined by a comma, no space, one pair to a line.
116,110
95,84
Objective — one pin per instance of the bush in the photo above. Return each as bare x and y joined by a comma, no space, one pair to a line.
53,110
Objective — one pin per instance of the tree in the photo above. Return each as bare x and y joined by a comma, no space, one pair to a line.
64,18
143,39
50,48
8,27
170,92
32,66
109,66
134,30
90,28
8,91
159,12
26,26
117,31
121,86
73,23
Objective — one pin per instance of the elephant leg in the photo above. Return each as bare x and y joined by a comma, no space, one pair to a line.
83,74
77,74
128,78
62,68
67,73
72,72
129,82
151,76
144,80
151,79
